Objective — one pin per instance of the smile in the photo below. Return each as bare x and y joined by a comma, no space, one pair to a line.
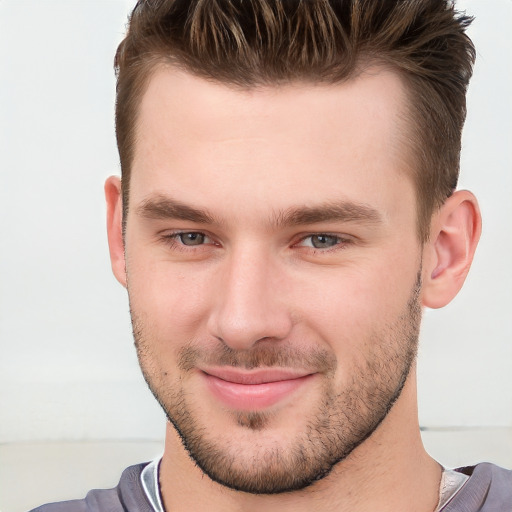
253,390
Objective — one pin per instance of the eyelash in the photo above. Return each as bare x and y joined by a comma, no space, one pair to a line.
340,242
173,240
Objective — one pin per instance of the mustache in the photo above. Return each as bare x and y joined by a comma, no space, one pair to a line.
262,355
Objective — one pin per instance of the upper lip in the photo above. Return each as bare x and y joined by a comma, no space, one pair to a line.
256,376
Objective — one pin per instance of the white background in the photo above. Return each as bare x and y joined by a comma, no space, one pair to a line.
67,365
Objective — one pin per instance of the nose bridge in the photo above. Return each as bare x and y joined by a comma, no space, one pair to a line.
249,305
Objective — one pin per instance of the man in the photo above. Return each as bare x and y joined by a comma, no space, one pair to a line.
287,208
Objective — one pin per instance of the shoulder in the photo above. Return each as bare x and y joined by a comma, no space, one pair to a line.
127,496
488,489
490,473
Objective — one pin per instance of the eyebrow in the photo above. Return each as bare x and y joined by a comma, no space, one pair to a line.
343,211
163,207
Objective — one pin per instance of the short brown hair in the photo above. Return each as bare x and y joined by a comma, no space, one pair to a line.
251,43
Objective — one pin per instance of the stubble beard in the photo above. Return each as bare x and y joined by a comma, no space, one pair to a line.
340,423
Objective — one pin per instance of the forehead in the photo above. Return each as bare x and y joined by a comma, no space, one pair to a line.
314,142
376,95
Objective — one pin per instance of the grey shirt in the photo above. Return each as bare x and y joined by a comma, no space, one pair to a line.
488,489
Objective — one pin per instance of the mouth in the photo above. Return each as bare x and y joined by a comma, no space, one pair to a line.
253,390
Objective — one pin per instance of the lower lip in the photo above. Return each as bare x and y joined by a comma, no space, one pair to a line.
253,396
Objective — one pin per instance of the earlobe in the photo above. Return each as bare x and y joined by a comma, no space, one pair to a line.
113,198
455,231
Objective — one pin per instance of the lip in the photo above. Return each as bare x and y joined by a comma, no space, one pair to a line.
254,389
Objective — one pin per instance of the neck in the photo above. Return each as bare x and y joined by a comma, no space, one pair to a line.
390,471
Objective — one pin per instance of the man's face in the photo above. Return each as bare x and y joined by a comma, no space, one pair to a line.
273,270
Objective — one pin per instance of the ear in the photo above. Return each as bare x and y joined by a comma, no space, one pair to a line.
115,227
455,231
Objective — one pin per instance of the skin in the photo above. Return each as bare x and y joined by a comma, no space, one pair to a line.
253,285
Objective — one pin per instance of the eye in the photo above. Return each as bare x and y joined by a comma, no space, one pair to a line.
321,241
192,238
193,244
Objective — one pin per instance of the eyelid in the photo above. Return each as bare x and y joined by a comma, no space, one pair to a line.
173,238
342,241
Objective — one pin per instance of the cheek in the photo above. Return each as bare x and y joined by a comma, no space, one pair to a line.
171,302
351,306
343,295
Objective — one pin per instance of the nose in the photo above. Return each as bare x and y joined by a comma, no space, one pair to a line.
249,304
